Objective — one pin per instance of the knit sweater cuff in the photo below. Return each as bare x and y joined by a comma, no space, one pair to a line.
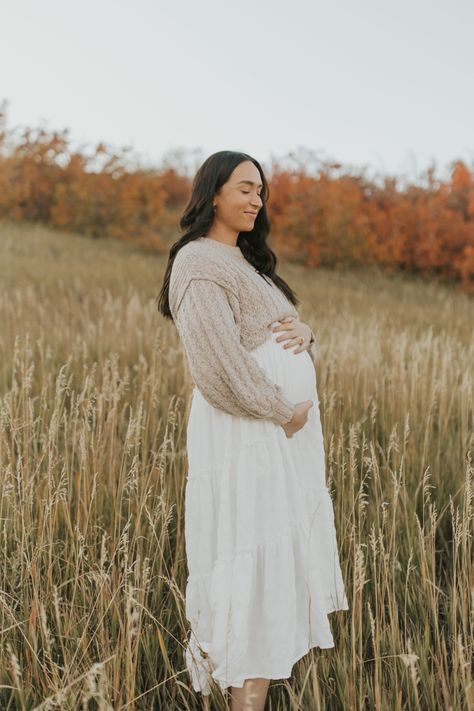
283,410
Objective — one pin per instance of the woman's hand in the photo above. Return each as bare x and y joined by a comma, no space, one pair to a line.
299,333
299,418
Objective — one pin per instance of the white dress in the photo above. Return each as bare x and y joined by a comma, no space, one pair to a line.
260,539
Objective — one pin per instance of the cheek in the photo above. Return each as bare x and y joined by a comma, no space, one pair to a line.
238,203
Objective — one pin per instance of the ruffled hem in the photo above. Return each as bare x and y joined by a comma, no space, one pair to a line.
201,670
254,608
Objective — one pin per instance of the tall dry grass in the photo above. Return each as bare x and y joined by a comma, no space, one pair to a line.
93,411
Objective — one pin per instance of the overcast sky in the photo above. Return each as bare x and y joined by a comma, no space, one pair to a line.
386,85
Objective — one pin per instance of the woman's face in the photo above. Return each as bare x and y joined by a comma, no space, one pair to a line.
238,201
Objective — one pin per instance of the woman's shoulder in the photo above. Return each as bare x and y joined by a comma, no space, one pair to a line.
194,261
191,256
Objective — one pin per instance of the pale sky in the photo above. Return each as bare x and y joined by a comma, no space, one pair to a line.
386,85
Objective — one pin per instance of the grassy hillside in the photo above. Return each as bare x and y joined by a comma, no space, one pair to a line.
94,396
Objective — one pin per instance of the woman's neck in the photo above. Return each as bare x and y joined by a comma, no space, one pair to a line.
232,249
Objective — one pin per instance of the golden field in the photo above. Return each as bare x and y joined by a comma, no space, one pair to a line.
94,400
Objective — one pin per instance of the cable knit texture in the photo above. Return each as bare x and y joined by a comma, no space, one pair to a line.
223,309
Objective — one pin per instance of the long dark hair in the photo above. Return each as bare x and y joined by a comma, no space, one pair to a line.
198,216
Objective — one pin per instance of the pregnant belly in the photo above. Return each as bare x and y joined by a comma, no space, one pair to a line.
295,373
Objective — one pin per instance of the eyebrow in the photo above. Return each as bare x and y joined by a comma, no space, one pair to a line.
250,182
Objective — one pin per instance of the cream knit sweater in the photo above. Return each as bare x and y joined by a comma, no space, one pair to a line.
223,308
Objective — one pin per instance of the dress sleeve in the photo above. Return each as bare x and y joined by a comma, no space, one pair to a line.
227,375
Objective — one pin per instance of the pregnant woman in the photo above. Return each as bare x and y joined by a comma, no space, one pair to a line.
261,545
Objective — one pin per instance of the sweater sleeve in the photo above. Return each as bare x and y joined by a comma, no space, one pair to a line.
227,375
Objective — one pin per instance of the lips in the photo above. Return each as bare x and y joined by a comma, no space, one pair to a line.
254,214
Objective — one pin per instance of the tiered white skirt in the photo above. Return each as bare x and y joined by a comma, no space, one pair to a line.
260,539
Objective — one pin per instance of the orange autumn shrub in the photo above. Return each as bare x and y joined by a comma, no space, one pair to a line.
321,217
